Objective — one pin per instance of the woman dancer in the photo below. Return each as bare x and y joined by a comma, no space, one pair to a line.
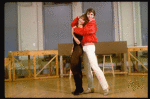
89,38
75,57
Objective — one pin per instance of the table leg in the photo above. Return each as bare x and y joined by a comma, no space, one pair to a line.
61,66
13,64
34,66
57,65
129,62
10,71
137,61
50,65
6,72
29,68
122,62
64,65
125,62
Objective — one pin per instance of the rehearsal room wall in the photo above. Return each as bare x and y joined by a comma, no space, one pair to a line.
30,27
30,24
24,24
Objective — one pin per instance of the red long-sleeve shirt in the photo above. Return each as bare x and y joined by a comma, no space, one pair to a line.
88,32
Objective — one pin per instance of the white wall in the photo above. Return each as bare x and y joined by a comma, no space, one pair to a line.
39,26
77,9
116,21
30,26
138,24
127,22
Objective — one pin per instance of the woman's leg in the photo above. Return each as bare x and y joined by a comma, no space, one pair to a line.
76,69
90,52
88,71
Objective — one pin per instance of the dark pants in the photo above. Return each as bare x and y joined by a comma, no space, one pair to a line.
76,67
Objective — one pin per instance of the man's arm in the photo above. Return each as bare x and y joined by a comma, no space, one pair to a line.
75,22
87,30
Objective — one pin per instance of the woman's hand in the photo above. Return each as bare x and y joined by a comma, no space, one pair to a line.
77,41
71,51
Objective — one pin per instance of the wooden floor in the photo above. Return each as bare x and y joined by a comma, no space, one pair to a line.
120,86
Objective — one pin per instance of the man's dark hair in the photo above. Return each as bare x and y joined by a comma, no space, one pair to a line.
89,10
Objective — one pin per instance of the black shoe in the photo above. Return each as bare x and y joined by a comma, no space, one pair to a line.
77,92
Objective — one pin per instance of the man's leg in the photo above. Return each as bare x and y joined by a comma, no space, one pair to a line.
88,73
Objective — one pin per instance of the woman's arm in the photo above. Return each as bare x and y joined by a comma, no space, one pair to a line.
76,39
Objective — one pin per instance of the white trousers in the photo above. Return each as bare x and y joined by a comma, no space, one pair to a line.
90,52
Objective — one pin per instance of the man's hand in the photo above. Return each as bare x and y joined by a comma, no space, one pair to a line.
74,27
79,16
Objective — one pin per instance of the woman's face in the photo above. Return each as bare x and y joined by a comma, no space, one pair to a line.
81,20
90,15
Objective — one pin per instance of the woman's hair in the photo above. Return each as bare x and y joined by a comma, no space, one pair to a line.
89,10
84,18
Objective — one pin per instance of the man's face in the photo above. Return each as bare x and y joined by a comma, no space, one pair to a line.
90,15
